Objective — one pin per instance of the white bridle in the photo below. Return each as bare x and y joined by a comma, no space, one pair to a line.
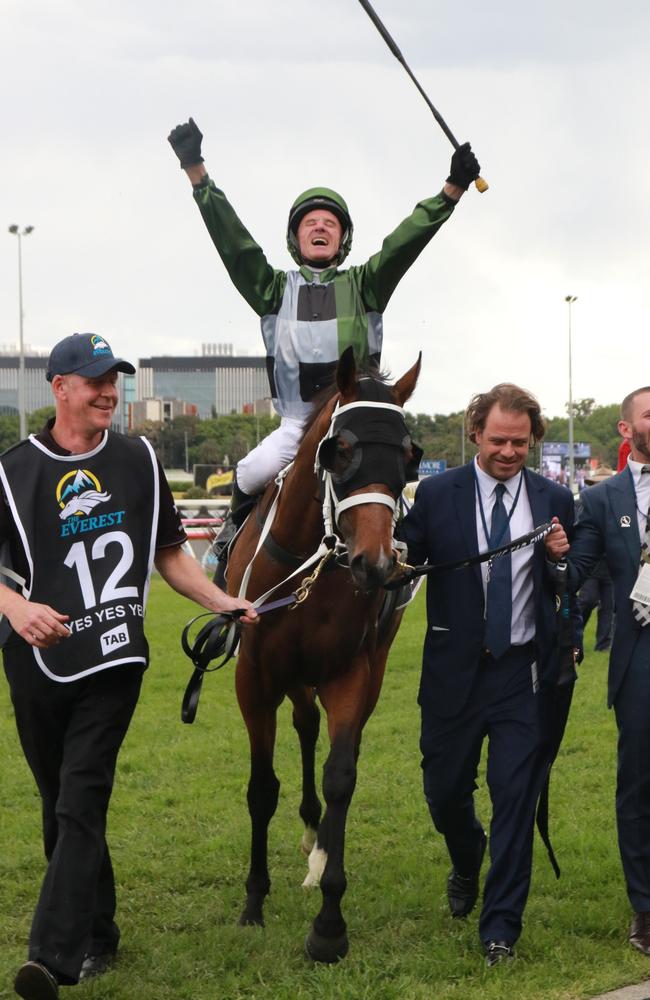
332,506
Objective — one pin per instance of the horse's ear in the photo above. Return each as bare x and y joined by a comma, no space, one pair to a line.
346,373
405,387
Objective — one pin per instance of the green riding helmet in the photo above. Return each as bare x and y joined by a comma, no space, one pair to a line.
320,197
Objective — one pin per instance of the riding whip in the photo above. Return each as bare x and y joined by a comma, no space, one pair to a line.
481,184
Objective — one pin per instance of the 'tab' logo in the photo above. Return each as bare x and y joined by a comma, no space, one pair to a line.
78,492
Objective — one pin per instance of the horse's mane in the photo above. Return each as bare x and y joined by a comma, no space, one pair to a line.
324,395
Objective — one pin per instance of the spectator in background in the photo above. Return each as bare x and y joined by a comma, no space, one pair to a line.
623,452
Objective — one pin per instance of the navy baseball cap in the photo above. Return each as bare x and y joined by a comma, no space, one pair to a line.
85,354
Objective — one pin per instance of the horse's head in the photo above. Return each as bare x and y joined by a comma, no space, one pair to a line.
364,462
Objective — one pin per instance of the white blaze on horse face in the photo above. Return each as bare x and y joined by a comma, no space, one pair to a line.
317,862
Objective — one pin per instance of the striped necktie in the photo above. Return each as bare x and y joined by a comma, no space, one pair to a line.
642,611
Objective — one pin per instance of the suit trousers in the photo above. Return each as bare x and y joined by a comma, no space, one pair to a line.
632,708
598,592
71,734
504,708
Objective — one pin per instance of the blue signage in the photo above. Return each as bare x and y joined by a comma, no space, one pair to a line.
432,467
560,449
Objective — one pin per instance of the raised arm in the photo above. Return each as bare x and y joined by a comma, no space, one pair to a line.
383,272
260,284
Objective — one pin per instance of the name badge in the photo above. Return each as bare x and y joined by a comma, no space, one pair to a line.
641,589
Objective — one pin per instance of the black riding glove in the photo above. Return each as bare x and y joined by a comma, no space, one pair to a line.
185,140
464,167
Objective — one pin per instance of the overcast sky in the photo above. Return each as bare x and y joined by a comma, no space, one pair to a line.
290,94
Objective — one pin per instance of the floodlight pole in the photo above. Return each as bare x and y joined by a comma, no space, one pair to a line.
22,419
570,299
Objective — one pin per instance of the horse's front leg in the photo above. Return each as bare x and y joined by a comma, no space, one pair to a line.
263,788
344,701
306,722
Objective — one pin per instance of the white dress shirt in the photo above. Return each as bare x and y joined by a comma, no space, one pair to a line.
642,490
522,627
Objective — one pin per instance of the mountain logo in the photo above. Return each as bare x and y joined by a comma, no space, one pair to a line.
78,492
99,345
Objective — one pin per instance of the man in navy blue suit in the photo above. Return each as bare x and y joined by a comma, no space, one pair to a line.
614,523
489,656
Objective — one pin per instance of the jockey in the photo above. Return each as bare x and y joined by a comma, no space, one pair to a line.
310,315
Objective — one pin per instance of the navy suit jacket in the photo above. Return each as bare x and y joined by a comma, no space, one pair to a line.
608,526
441,527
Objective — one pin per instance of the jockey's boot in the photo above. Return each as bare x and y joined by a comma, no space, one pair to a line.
241,505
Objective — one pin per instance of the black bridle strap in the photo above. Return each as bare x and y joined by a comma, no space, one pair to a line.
536,535
557,711
219,637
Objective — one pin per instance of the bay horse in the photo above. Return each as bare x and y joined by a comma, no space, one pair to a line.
356,447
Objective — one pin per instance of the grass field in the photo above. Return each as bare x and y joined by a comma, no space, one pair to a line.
179,836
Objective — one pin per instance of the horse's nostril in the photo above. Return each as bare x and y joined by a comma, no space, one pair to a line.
370,574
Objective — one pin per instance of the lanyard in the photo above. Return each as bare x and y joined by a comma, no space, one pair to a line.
497,541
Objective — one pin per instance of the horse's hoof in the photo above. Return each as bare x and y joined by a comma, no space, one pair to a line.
327,950
250,920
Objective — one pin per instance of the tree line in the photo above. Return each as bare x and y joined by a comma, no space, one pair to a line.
187,441
443,436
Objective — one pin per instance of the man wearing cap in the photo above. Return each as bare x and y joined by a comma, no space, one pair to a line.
84,515
615,525
311,315
597,592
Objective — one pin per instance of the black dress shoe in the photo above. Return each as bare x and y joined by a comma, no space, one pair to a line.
640,932
96,965
462,890
34,981
498,951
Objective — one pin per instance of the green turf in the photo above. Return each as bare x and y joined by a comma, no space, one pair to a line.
179,835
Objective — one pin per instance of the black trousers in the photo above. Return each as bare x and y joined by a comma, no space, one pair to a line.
632,707
597,592
71,734
503,708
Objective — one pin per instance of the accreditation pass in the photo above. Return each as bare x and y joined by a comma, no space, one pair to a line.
641,589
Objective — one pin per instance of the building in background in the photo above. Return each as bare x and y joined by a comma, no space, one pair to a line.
158,411
217,383
38,392
37,389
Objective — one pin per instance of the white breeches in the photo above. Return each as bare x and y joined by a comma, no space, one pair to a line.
263,463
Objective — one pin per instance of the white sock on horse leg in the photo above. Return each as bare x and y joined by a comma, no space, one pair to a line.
317,862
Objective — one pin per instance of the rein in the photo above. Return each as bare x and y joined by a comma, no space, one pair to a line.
412,572
218,639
